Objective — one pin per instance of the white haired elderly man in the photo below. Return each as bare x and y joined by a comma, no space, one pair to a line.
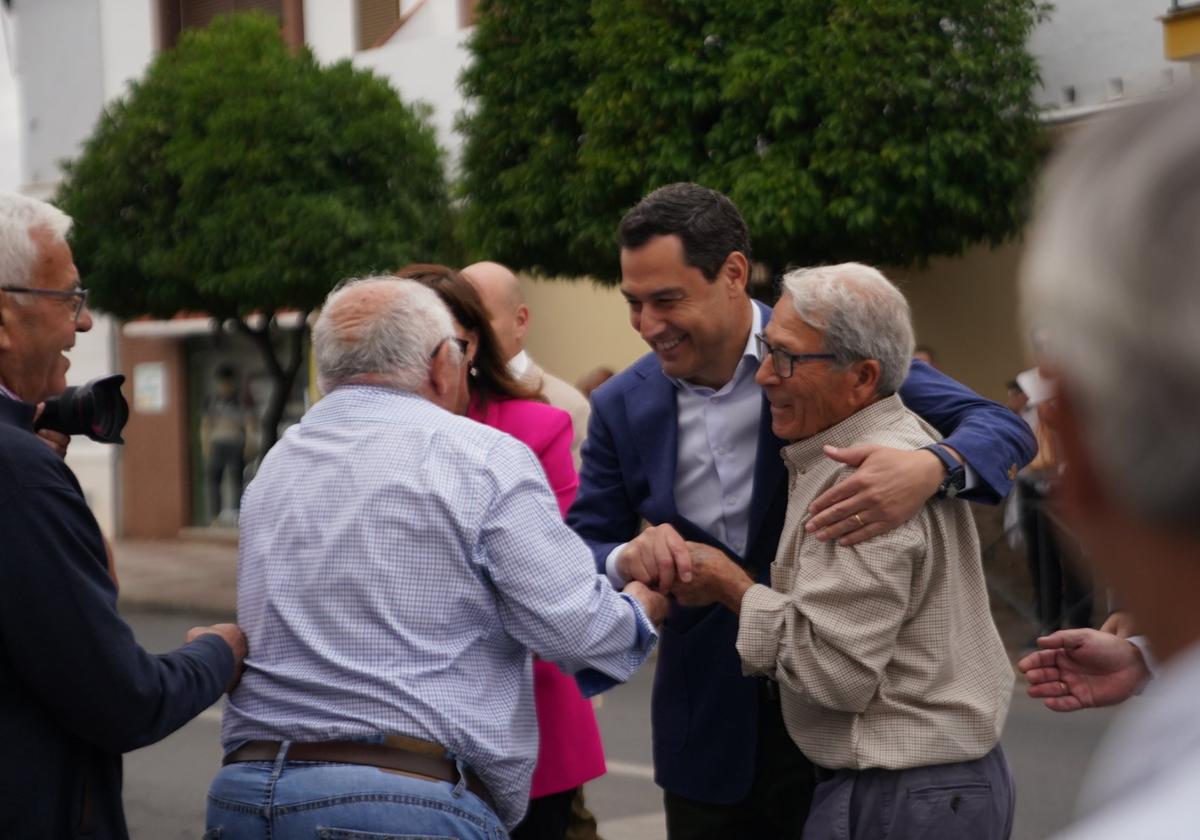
1112,280
76,689
893,678
397,565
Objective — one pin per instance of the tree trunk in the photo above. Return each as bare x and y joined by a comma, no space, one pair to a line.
283,376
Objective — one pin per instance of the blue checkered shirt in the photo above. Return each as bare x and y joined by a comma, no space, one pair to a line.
397,565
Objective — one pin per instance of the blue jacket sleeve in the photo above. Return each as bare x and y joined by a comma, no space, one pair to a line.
68,646
993,440
602,514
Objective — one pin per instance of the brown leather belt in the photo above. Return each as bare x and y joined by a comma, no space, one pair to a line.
401,755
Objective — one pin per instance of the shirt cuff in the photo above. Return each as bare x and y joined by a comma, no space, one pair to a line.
972,477
1143,645
610,568
592,682
758,629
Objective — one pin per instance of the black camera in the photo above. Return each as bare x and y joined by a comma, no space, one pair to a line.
97,409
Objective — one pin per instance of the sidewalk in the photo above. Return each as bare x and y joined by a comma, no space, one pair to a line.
186,575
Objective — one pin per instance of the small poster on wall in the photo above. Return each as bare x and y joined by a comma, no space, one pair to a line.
150,388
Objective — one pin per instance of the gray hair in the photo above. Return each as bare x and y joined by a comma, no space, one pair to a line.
19,214
1111,278
860,314
393,344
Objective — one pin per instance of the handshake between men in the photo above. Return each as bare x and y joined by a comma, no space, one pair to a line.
694,573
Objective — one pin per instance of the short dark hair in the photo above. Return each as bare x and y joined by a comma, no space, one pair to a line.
706,222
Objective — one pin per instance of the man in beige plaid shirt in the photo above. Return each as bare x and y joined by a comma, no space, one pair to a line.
892,676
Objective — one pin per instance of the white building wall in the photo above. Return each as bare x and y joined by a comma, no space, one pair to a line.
64,73
426,69
1090,44
329,28
126,42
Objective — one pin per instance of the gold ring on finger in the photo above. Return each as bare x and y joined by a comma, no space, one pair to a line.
858,518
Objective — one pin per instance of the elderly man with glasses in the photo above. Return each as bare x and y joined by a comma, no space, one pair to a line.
76,690
893,679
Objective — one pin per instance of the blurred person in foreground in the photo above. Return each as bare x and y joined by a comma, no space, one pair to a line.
1113,275
397,565
509,315
893,678
682,440
76,689
570,751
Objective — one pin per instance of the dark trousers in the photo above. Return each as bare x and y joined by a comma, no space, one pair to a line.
1062,598
547,817
968,800
224,456
779,799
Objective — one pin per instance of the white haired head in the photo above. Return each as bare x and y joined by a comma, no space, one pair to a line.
1111,279
379,329
19,214
860,314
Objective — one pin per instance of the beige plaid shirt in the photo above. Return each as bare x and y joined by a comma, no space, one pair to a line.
885,651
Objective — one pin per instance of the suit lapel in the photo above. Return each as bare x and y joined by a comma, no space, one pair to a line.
769,471
654,418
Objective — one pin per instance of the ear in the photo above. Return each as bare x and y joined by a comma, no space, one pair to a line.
5,334
443,375
522,320
736,273
1082,494
864,380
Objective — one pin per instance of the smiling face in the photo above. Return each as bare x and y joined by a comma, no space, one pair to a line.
817,395
697,328
35,333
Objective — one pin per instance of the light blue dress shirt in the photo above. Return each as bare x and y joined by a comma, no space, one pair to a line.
397,566
716,450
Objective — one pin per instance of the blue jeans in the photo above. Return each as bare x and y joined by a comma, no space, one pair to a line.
282,800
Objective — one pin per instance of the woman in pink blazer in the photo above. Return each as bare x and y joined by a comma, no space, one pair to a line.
569,748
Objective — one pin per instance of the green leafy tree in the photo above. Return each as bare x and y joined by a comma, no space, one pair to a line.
240,179
887,131
522,133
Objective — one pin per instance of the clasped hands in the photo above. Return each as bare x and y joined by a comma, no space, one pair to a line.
694,574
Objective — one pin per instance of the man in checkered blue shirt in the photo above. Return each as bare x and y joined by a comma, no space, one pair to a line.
398,564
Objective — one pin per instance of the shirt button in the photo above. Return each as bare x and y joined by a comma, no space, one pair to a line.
730,500
720,451
716,399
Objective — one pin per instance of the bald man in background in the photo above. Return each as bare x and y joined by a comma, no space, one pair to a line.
501,293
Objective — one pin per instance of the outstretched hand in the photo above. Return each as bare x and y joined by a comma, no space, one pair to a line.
887,488
1082,669
714,578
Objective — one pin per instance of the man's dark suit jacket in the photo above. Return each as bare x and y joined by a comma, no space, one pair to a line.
704,713
76,690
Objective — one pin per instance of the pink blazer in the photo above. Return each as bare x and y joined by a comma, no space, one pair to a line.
569,748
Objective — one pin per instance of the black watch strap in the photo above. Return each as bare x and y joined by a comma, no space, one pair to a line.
956,474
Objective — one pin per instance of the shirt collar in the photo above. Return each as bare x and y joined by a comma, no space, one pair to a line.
749,353
4,392
848,432
518,364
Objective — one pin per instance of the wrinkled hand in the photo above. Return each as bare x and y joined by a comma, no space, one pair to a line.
715,578
55,440
1120,624
235,638
887,488
654,605
656,557
1081,669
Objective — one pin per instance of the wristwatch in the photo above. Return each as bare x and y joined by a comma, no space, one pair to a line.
956,474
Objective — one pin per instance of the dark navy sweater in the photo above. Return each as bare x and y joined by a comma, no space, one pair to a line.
76,690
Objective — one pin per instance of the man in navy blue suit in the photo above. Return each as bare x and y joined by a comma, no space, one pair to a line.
682,440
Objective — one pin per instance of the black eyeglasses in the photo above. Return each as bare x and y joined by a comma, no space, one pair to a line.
783,361
77,294
463,345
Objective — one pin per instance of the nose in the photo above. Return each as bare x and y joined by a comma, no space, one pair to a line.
649,325
765,375
84,322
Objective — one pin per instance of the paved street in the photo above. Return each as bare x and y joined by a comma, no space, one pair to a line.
165,784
